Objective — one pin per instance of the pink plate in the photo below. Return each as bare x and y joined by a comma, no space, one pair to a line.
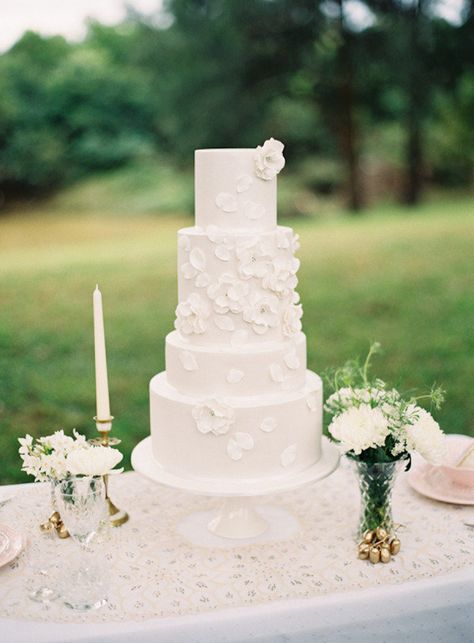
432,481
11,544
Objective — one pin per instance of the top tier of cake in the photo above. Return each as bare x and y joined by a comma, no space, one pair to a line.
235,189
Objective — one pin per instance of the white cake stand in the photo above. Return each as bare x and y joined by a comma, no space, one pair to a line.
237,517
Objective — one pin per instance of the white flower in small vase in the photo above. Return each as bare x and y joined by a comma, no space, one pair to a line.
281,275
425,435
269,159
192,315
291,322
94,461
228,294
360,428
262,312
253,257
213,416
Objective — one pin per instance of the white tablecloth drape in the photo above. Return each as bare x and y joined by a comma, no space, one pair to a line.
172,581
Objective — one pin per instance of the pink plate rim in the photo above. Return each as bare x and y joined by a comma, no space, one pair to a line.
15,545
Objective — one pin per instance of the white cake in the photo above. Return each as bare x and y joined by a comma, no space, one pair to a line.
236,401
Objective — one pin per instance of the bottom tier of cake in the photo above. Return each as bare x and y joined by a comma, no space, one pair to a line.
236,438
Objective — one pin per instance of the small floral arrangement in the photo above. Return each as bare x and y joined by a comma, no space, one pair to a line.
58,456
374,423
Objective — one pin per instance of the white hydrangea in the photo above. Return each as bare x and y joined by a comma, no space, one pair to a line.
192,315
425,436
360,428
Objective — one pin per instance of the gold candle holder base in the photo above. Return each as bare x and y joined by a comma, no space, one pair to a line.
117,516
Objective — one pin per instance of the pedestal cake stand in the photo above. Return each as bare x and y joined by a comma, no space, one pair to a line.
237,517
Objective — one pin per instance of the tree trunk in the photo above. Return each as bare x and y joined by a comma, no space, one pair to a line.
348,126
415,91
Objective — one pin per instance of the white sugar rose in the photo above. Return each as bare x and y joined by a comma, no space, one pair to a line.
360,428
192,315
228,294
269,159
425,436
94,461
292,319
213,416
281,275
261,312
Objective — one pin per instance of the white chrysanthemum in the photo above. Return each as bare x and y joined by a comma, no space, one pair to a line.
213,416
425,436
192,315
93,461
269,159
360,428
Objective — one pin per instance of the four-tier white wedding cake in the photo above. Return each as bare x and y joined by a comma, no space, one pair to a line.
236,401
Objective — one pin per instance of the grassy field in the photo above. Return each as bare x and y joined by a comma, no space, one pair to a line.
402,278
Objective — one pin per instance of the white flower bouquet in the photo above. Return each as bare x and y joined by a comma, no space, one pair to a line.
377,427
58,456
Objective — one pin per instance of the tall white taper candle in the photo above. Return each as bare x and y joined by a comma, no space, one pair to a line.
101,381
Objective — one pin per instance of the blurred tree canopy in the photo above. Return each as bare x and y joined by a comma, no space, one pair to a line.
397,90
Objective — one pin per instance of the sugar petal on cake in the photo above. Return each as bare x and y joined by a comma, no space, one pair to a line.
288,456
226,202
202,280
222,252
312,401
268,425
244,182
224,322
291,360
233,450
244,440
253,210
197,259
234,376
188,361
276,372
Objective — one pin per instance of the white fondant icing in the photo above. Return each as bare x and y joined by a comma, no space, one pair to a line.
276,372
268,425
312,400
234,376
224,323
288,456
239,337
253,210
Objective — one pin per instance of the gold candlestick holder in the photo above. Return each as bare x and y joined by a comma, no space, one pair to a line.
117,516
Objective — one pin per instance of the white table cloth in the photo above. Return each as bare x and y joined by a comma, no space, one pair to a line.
172,581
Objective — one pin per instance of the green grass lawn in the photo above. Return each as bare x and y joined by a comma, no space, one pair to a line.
404,278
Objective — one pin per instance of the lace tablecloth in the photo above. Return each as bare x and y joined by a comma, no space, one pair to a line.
164,563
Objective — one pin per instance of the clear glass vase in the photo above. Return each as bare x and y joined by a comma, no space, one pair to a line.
376,483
